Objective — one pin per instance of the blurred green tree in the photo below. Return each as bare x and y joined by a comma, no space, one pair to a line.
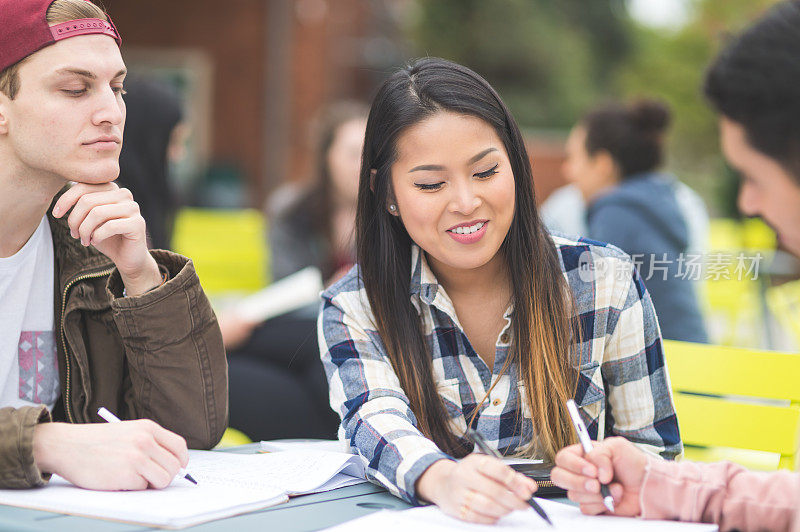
549,60
553,60
671,65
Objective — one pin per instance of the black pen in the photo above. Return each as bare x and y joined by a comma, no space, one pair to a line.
586,443
485,449
106,414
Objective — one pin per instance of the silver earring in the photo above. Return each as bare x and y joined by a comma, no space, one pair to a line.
393,207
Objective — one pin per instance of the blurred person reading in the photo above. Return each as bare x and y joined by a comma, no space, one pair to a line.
278,385
753,85
89,317
613,155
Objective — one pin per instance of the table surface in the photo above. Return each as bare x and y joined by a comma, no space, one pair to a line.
302,513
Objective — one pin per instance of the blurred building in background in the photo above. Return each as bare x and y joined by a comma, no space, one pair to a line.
253,74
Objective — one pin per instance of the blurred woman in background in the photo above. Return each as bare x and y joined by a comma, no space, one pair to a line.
277,383
613,155
314,225
155,135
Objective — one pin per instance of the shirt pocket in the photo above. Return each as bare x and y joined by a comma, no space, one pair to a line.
590,395
450,392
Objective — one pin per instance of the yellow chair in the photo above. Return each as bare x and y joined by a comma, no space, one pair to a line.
228,248
731,297
784,304
750,408
232,438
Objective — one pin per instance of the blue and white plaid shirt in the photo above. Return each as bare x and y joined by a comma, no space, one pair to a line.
623,387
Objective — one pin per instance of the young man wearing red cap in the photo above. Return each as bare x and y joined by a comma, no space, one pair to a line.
89,317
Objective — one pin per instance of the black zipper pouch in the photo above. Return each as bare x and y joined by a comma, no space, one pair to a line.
541,474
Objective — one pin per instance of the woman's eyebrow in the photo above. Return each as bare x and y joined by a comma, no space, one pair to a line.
436,167
481,155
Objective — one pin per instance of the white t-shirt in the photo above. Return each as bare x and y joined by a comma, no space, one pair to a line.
28,364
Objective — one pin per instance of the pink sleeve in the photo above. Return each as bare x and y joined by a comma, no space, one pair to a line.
722,493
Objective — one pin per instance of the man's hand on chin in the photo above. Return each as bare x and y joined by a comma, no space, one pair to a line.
106,217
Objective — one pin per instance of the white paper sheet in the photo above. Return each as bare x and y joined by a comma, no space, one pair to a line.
290,293
565,517
181,504
331,446
227,484
351,469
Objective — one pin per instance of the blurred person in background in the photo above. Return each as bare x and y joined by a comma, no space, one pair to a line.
613,155
314,225
753,85
278,385
154,136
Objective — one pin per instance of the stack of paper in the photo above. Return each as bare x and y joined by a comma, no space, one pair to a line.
227,484
564,517
325,456
331,446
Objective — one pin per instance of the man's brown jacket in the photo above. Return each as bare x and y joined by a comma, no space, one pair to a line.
158,355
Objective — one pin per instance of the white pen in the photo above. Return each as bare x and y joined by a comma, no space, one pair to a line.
106,414
586,443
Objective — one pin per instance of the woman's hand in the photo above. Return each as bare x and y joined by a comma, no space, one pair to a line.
614,461
479,488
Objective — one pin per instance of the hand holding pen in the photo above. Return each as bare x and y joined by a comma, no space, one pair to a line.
586,444
486,449
591,472
104,413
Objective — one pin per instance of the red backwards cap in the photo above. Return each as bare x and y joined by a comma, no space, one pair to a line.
24,29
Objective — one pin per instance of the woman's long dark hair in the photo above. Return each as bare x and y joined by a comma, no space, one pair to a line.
542,317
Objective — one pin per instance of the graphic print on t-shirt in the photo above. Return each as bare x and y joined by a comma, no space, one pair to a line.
38,368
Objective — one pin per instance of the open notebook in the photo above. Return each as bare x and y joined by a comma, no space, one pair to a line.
565,517
227,484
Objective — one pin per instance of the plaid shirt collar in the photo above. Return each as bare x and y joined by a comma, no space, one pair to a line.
425,289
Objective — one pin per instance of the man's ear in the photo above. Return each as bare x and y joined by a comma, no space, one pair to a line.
4,102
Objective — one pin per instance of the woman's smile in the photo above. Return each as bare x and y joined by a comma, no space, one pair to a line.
468,232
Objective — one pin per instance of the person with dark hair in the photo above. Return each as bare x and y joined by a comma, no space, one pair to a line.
315,225
464,312
153,130
612,157
753,84
278,386
89,317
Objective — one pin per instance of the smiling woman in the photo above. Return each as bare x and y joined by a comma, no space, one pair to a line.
464,312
